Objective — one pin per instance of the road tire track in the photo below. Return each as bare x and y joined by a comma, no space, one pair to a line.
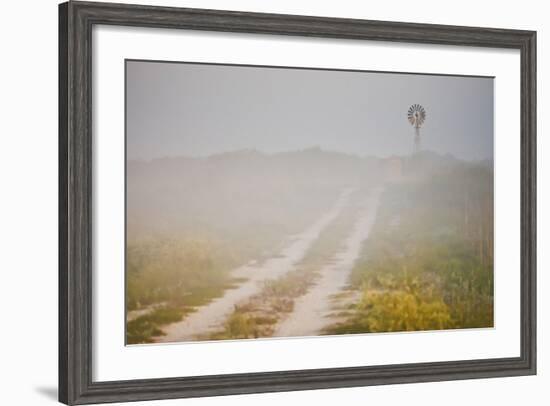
309,317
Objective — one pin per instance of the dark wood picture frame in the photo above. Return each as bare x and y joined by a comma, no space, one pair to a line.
76,20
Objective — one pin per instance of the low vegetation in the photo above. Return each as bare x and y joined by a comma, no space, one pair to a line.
141,329
168,278
429,261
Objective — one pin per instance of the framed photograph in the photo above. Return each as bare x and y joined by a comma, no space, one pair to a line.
257,202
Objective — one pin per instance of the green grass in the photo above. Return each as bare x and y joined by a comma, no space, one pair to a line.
432,269
143,328
178,275
243,325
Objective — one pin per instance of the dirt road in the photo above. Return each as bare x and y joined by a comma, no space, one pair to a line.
211,317
310,312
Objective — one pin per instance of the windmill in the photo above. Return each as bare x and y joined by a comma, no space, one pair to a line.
416,116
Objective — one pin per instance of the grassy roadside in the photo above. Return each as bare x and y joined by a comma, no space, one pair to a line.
428,263
169,278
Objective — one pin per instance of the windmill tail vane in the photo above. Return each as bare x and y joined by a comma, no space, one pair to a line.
416,116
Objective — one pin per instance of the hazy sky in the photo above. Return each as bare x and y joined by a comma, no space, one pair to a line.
176,109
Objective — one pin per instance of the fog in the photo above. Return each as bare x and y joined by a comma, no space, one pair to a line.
185,109
269,202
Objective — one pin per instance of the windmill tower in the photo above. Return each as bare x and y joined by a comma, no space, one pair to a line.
416,116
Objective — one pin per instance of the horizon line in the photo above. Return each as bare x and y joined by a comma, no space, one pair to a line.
307,149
